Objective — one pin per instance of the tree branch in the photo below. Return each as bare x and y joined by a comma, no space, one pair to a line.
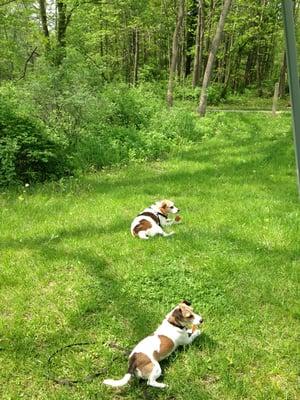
26,63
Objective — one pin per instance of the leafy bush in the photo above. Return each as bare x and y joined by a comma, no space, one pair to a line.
94,127
116,144
214,94
177,124
27,153
187,92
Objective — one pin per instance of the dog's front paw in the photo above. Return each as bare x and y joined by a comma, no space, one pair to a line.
196,333
169,234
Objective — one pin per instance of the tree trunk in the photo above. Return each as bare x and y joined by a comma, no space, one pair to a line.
63,20
275,99
250,65
175,53
61,32
227,69
199,44
43,14
211,58
136,56
260,53
209,25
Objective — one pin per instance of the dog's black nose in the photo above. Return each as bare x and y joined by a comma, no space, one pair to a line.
178,209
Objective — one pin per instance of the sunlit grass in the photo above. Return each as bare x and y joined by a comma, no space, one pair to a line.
71,272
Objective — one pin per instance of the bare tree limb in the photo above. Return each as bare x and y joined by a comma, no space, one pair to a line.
26,63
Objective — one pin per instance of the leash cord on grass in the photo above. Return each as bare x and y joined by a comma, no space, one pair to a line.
88,378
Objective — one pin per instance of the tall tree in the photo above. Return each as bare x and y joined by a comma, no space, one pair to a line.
199,44
211,58
282,77
136,50
174,57
44,20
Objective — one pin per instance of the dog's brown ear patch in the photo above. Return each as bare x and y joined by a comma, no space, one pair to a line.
164,207
164,204
188,303
176,318
186,312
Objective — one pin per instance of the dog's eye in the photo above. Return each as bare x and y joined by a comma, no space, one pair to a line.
172,207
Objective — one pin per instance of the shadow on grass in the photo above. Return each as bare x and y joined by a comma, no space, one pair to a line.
104,292
57,236
254,159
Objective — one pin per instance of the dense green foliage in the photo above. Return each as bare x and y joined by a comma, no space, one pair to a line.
71,272
130,40
27,153
90,77
50,133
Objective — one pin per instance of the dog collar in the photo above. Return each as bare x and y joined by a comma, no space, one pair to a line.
154,215
177,325
161,214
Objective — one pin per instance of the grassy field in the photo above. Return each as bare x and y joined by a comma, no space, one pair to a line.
70,272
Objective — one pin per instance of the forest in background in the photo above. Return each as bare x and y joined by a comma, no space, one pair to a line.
84,83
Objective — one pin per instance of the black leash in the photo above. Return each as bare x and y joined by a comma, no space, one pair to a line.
88,378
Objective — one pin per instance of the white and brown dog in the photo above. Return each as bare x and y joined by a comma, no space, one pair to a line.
180,327
151,221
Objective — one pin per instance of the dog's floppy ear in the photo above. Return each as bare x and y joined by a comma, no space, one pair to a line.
185,310
164,204
188,303
176,317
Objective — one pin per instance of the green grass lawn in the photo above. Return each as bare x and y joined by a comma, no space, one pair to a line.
71,272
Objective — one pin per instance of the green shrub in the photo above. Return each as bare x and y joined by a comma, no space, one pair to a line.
129,106
105,145
93,126
112,145
27,153
187,92
177,124
214,94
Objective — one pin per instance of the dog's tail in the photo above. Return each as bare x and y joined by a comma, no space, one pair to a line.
117,383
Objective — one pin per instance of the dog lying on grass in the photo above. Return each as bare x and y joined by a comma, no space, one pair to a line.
151,221
180,327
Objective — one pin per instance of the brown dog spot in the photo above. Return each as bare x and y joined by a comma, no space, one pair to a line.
166,347
143,225
151,215
164,208
141,362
